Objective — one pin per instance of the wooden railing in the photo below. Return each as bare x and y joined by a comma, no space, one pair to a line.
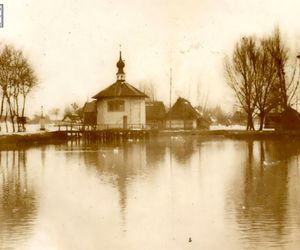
120,126
82,127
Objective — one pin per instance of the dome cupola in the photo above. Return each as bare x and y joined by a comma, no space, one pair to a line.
120,65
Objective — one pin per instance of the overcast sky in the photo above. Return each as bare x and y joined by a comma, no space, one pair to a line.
74,44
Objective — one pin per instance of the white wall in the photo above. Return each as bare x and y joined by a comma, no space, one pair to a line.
178,124
134,110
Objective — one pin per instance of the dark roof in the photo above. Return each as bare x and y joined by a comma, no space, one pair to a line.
155,110
72,117
90,107
290,119
182,110
290,114
120,89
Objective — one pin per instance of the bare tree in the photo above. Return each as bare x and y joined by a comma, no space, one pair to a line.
265,82
27,83
75,107
275,86
148,88
17,79
6,79
262,76
71,109
55,112
240,73
285,68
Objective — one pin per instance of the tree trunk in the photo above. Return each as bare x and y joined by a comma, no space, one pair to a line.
17,113
12,117
23,112
11,112
250,125
261,120
2,107
6,126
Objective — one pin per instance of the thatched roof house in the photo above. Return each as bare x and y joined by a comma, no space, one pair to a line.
72,118
182,115
90,113
155,114
289,119
90,107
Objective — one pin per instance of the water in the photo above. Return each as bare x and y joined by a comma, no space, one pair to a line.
178,193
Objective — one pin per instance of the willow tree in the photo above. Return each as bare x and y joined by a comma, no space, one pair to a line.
27,81
6,82
262,75
284,67
265,82
17,79
240,73
276,86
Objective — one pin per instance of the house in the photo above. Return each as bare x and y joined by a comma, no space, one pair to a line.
182,115
204,122
272,120
72,119
289,119
90,113
155,114
121,105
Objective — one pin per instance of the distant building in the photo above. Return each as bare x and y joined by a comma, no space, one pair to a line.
120,105
72,119
286,120
155,114
272,120
204,122
182,115
90,113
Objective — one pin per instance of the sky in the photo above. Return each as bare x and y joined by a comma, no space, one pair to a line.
74,45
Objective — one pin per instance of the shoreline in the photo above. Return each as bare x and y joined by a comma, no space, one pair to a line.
38,138
234,134
59,136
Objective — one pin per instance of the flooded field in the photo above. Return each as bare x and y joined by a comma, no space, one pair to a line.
174,193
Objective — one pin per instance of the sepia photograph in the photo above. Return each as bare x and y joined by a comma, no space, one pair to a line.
149,125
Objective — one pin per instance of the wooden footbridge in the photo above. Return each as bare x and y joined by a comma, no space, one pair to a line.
91,133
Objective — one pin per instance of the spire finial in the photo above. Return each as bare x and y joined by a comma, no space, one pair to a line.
120,49
120,65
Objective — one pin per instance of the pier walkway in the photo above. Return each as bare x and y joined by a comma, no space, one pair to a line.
91,133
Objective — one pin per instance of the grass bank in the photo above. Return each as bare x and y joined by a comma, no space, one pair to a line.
11,140
32,139
233,134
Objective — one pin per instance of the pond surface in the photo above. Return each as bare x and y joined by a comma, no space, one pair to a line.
174,193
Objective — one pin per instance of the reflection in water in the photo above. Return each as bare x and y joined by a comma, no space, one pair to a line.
182,148
17,198
118,166
262,210
155,152
156,194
